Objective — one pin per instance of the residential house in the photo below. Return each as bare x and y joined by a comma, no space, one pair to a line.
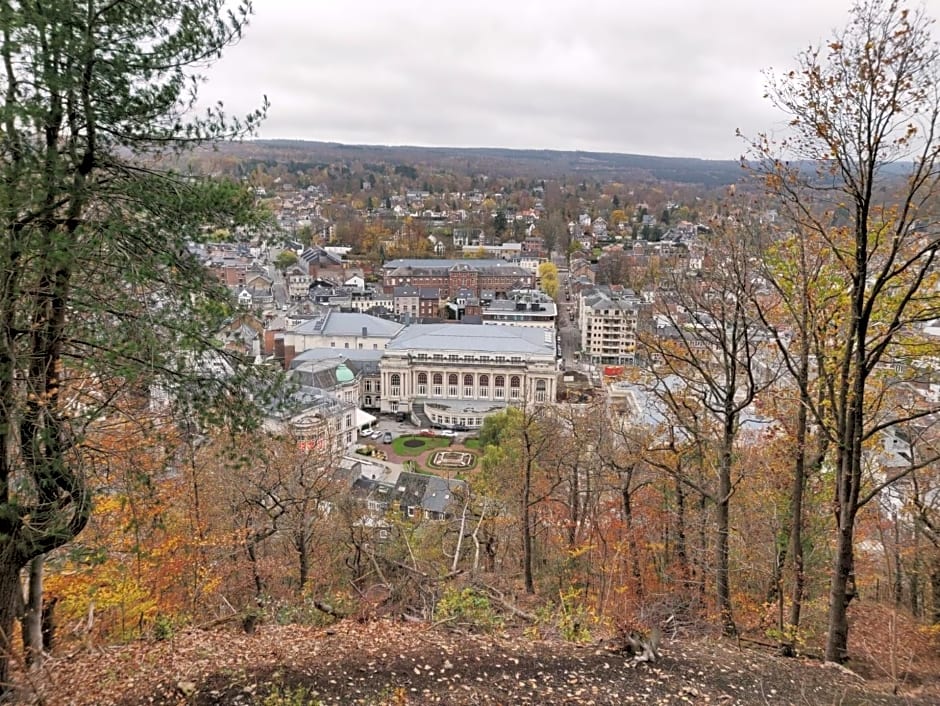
320,262
414,495
417,302
298,279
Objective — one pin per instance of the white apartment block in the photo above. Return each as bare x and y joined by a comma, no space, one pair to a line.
607,318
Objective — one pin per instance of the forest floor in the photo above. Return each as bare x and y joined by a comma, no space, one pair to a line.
386,662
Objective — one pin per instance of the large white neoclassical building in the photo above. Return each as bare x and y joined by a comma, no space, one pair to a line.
454,375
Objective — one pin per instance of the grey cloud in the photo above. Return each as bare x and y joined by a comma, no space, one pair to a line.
675,77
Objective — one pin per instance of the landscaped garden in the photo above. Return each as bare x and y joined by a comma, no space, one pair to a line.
414,445
429,453
452,460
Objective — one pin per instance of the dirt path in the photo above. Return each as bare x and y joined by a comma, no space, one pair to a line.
387,662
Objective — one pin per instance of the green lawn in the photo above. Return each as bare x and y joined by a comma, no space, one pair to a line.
473,443
427,442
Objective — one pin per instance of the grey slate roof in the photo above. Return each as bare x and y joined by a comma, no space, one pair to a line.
335,323
604,297
359,361
349,356
434,263
474,337
303,399
439,493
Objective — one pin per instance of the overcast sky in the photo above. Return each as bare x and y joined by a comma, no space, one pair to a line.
660,77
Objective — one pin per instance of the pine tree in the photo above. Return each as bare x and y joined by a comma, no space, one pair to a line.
99,295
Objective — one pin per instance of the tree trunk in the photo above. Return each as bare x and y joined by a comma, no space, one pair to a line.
898,583
723,524
303,564
935,589
33,615
700,568
841,593
796,513
255,574
10,590
682,552
574,509
799,575
722,557
527,529
774,585
631,540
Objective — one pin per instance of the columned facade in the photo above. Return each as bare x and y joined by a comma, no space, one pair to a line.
465,385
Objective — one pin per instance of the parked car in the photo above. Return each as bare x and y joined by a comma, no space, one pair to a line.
399,416
377,434
387,438
447,432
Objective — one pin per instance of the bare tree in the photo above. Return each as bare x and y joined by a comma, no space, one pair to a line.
704,346
858,171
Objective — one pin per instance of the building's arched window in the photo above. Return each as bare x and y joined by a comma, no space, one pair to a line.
468,386
422,384
484,386
452,385
499,385
395,382
438,385
515,386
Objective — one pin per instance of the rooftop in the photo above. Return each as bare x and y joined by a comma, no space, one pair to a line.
476,338
442,263
334,323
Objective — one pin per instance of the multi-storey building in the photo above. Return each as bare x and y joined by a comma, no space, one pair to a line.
530,308
317,420
454,375
351,375
298,280
450,276
417,302
333,329
607,317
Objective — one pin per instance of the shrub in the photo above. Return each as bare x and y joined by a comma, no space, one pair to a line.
468,607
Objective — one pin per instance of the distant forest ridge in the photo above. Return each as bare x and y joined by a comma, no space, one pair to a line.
499,162
504,162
